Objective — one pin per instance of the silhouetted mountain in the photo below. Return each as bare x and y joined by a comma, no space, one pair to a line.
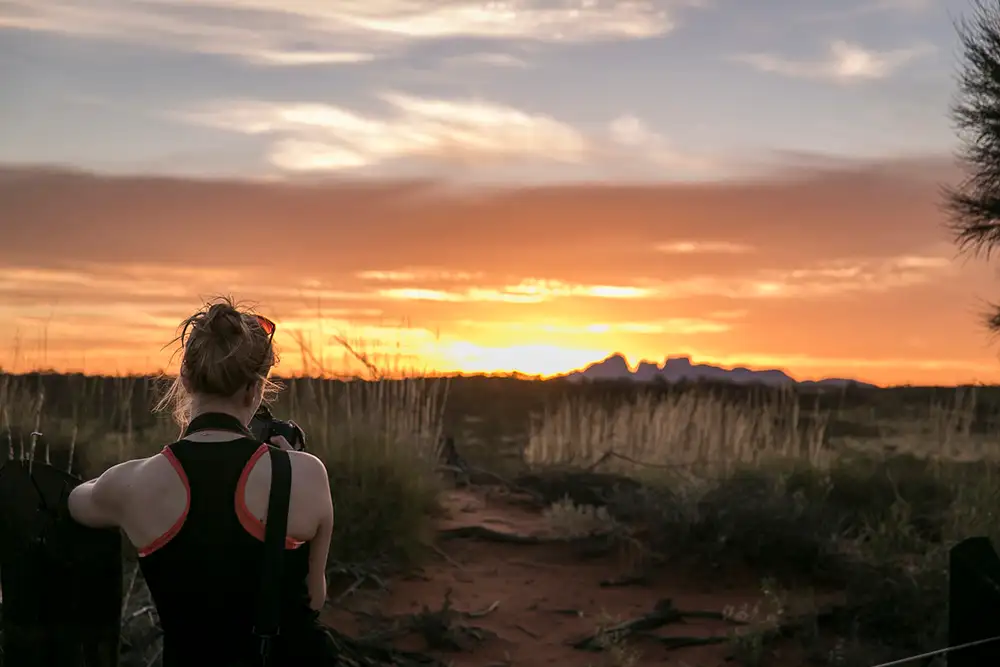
678,369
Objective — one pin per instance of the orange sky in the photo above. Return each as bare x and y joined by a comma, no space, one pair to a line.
835,269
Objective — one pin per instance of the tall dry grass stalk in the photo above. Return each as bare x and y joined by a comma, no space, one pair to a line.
403,417
390,403
380,437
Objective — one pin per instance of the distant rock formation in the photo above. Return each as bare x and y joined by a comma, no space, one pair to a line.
677,369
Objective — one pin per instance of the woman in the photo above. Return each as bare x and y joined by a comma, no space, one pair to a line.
195,511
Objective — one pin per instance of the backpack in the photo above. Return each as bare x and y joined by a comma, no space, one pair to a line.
61,581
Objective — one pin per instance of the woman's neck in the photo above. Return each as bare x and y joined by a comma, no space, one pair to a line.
207,405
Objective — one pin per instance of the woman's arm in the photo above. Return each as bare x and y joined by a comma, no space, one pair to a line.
319,545
98,503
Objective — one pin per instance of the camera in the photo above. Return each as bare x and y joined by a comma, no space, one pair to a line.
264,426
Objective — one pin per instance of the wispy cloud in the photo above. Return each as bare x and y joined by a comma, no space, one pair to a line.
418,274
263,37
323,137
633,134
706,247
673,326
489,59
826,279
292,58
297,32
530,290
845,62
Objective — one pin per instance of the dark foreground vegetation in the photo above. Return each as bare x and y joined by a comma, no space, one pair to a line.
842,504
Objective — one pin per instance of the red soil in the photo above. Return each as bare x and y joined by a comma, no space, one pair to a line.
531,589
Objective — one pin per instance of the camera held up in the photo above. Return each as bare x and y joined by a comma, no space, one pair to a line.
264,426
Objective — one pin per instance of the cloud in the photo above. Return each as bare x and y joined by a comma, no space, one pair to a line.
703,247
835,251
528,290
155,283
419,274
323,137
175,26
579,233
825,279
319,137
845,62
291,58
674,326
299,32
489,59
632,133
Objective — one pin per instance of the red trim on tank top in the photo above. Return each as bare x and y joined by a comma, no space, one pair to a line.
176,528
248,520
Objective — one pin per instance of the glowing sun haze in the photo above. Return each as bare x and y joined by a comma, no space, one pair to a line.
528,185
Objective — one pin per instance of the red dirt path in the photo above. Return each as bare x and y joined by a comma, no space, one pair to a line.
533,586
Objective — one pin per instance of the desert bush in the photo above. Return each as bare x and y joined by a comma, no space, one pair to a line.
569,520
758,485
380,442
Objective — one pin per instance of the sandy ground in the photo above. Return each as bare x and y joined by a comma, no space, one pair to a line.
541,597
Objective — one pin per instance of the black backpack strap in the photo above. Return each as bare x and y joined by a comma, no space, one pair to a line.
269,600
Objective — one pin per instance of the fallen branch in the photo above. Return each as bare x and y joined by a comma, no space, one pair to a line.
366,653
451,561
490,535
361,575
592,546
485,612
438,628
663,613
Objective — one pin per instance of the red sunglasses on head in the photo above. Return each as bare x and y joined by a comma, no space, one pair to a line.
267,325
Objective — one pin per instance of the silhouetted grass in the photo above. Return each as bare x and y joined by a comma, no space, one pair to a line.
808,488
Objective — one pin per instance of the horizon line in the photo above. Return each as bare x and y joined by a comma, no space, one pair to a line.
519,376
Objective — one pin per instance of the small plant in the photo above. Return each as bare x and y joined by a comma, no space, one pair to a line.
569,520
617,652
760,624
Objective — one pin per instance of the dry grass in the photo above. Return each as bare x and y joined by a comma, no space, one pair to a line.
380,442
761,481
683,429
378,439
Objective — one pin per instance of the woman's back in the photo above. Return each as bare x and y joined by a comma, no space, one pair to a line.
204,573
195,511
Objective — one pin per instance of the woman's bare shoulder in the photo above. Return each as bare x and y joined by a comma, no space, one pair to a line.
308,464
152,472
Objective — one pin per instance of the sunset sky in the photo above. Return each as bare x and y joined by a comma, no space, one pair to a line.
490,186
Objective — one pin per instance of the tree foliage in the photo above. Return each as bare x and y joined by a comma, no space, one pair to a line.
974,205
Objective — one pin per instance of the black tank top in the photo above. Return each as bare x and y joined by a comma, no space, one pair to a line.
204,574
